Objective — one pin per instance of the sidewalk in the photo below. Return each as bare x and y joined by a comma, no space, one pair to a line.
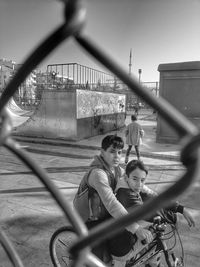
149,148
29,215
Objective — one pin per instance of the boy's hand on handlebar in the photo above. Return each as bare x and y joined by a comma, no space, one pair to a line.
144,235
188,218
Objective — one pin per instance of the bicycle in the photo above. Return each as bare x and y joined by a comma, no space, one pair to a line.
162,230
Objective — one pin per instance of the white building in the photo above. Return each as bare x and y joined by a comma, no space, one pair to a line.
6,72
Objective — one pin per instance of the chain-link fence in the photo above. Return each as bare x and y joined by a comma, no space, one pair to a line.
74,18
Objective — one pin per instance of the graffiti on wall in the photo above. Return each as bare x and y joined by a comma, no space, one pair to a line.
92,103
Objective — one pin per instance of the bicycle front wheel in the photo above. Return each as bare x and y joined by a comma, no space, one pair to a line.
59,245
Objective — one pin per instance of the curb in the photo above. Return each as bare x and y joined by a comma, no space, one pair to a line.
83,146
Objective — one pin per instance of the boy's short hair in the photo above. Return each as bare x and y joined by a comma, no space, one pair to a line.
134,164
112,140
133,118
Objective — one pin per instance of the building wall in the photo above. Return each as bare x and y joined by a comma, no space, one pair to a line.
180,86
6,72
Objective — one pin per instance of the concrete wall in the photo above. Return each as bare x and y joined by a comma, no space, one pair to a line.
74,115
180,86
99,124
99,112
53,118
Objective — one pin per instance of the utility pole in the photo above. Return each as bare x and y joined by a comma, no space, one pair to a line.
130,62
139,72
129,96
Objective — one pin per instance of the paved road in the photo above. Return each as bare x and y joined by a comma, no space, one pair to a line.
29,215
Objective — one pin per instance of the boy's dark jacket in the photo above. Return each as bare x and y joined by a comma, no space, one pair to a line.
130,199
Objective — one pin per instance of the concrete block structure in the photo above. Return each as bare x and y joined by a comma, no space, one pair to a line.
75,114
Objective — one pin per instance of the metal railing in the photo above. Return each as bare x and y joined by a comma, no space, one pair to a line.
74,18
71,75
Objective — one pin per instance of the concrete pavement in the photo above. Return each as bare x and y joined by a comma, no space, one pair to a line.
29,215
149,148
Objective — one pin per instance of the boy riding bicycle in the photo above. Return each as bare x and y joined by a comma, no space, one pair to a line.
96,201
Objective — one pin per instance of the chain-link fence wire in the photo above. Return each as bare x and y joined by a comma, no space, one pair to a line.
74,19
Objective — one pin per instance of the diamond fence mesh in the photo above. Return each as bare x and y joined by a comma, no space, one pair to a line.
74,19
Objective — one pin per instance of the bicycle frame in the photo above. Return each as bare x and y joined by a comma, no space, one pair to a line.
144,255
157,246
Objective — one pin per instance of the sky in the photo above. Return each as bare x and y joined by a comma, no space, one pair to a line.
157,31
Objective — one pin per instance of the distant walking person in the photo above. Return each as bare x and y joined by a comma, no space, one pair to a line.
134,134
136,109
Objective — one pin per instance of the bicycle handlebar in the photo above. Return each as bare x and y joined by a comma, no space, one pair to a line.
157,228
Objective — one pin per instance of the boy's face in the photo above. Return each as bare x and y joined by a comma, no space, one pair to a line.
136,180
112,156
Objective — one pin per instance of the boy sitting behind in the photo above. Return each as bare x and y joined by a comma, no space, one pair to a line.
131,191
